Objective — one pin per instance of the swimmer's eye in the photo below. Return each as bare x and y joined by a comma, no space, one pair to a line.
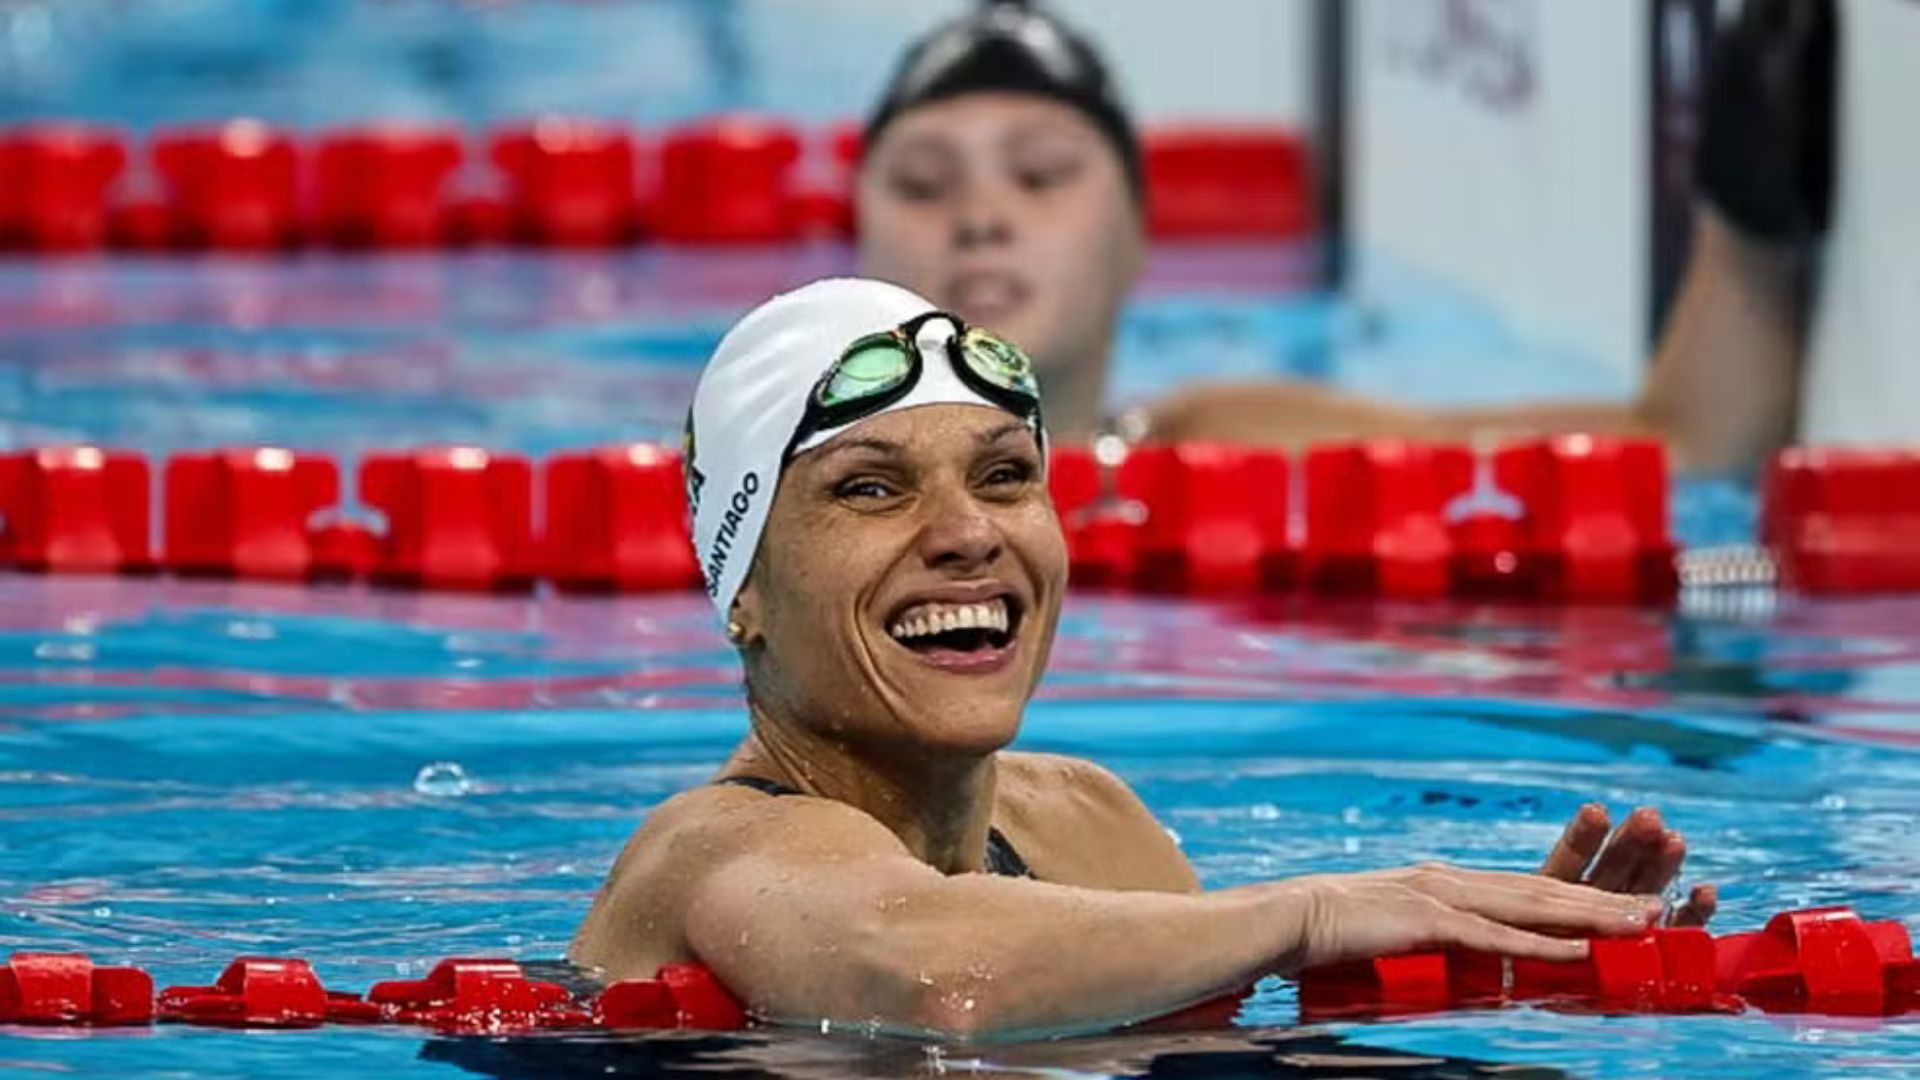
1046,177
864,489
917,188
1010,474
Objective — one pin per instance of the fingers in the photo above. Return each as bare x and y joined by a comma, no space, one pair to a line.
1633,854
1578,844
1466,930
1699,908
1658,872
1533,901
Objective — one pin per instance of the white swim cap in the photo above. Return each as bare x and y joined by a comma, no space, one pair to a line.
753,396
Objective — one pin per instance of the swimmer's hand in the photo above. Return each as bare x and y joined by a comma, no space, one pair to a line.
1641,856
1435,906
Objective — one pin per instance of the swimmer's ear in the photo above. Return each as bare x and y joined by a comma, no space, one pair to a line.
743,618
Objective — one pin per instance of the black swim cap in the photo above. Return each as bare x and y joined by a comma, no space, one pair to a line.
1005,45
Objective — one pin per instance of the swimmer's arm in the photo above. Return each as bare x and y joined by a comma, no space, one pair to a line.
818,912
1722,390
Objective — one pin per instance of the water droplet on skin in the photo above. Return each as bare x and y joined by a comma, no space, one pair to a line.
442,780
967,1004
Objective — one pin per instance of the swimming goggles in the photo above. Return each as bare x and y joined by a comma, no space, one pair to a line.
880,369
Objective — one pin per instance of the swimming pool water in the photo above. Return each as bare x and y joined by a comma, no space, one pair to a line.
191,771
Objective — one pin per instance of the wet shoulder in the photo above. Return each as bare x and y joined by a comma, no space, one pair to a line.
1076,823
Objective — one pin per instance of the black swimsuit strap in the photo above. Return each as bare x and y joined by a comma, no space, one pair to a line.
1002,859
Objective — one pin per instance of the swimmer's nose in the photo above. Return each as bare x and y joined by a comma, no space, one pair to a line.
979,221
957,534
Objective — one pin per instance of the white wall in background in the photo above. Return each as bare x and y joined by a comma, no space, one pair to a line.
1500,147
1863,382
1226,60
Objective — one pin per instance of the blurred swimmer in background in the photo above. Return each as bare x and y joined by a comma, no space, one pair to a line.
1003,180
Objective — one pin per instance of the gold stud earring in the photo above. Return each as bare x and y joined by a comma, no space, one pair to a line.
735,632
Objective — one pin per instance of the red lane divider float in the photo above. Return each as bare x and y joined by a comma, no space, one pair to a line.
1374,522
570,182
549,181
478,994
263,992
231,187
616,519
1228,183
1595,527
1568,520
1823,960
385,187
1843,520
1102,510
457,518
728,181
1819,961
54,186
66,988
1216,520
76,510
246,513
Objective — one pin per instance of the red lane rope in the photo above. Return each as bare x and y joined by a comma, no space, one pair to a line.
243,185
1569,519
1817,961
1565,520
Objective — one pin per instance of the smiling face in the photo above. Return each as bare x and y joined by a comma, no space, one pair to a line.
908,584
1013,211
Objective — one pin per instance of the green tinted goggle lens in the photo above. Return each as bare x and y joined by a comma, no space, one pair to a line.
875,367
865,371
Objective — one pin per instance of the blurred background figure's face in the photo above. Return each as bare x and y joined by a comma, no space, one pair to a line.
1013,212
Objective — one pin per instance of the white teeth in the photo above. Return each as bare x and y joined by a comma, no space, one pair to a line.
927,619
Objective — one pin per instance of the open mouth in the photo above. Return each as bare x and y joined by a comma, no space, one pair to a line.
948,630
986,296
